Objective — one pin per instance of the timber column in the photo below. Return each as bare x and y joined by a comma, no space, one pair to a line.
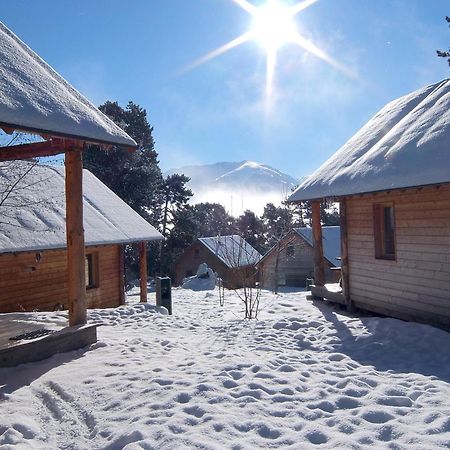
319,269
345,278
143,267
76,283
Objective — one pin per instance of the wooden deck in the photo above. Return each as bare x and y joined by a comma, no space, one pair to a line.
331,292
63,339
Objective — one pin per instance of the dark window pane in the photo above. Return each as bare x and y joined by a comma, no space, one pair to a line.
389,227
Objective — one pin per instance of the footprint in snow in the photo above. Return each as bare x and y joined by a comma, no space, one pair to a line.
268,433
195,411
316,437
377,416
183,397
395,401
286,368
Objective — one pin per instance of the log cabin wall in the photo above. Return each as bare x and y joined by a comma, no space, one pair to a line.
416,284
293,269
37,281
192,257
196,254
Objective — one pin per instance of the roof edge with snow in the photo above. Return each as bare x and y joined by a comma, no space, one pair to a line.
35,98
410,132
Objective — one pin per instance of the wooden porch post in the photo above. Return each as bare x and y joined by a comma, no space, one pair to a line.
76,283
319,269
121,275
143,266
344,254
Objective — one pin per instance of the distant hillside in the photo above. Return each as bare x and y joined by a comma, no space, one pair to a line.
237,185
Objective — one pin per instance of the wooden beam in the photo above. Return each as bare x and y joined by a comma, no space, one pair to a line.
345,277
122,274
319,268
37,149
76,286
143,267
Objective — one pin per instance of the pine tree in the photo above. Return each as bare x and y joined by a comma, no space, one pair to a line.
277,222
175,196
134,176
444,54
251,228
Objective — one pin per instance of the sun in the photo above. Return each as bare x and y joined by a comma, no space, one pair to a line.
273,26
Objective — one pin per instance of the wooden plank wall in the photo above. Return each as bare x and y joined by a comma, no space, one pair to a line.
297,267
417,284
28,283
189,261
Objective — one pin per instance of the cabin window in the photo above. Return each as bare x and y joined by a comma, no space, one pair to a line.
384,231
290,251
91,270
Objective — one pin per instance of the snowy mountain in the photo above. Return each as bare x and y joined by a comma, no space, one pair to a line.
237,185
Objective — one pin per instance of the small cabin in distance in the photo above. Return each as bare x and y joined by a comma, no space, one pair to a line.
230,256
33,254
291,261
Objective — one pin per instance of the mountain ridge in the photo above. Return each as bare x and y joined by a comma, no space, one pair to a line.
237,185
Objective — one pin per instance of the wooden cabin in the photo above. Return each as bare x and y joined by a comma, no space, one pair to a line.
392,180
36,99
33,254
291,261
231,257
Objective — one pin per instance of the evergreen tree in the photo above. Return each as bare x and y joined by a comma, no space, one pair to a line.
444,54
277,222
134,176
251,228
175,195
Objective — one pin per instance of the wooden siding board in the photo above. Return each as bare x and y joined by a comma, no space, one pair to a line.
46,287
417,283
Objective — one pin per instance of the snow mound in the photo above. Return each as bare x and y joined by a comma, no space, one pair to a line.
124,314
204,280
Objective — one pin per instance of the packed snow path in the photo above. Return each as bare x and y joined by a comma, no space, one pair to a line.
303,376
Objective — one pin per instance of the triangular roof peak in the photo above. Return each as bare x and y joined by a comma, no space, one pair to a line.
35,98
406,144
233,250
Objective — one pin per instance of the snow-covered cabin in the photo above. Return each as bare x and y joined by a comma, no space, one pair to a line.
291,261
33,254
232,257
35,99
392,179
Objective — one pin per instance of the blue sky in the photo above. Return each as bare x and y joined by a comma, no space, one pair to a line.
136,50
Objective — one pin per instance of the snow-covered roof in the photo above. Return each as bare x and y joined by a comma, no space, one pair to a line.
331,241
406,144
33,216
34,97
232,250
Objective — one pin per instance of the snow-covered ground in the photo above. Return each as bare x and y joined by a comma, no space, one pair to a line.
304,375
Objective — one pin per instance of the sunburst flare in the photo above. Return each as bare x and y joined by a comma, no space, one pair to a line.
273,26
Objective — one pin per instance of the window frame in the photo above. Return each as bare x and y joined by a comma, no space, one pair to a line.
384,237
92,270
290,251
